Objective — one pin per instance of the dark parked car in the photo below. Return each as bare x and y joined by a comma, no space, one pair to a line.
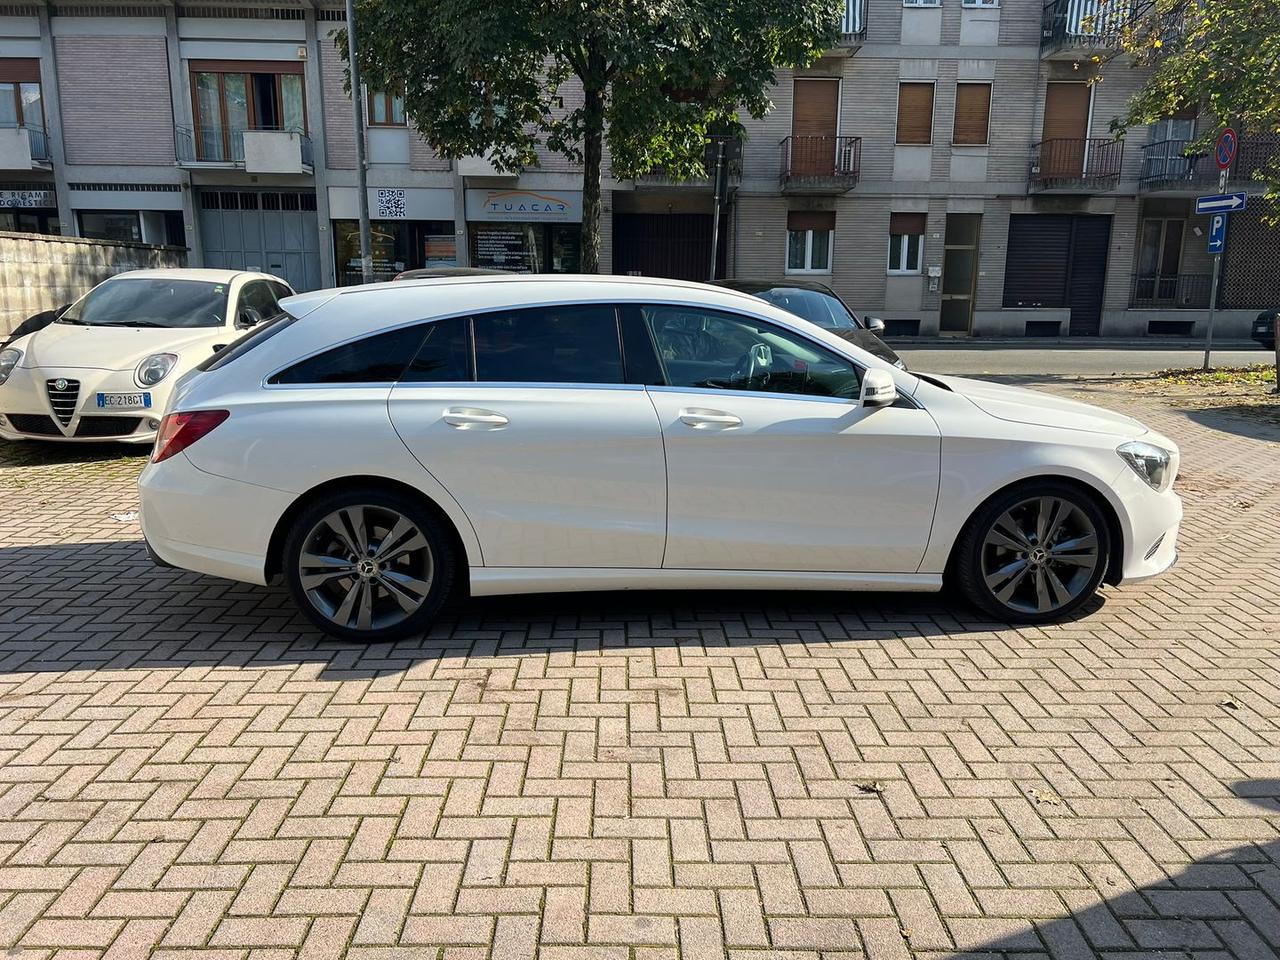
421,272
818,303
1264,328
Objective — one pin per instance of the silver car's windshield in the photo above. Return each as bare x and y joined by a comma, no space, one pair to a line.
151,302
820,308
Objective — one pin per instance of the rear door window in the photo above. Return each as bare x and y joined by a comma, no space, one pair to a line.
569,344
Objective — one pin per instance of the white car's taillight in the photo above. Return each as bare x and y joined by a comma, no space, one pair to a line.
180,430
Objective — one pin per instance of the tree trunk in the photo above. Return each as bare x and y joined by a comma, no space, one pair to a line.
592,148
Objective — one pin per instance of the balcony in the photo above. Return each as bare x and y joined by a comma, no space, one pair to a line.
1069,28
1086,165
853,27
1173,166
254,151
658,178
23,148
820,165
1182,291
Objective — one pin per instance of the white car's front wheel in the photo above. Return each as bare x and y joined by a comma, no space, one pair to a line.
1034,553
368,565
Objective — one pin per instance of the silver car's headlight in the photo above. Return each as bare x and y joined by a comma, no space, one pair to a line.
1150,462
155,368
8,360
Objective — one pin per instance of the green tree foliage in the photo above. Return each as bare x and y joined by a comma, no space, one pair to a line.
1221,57
654,78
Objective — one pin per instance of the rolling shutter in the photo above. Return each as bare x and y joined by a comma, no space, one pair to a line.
815,107
909,224
915,113
811,220
1035,271
973,113
1066,111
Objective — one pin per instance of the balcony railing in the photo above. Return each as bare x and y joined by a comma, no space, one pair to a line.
1173,164
733,167
1080,24
221,145
821,164
1091,163
1182,291
853,25
37,145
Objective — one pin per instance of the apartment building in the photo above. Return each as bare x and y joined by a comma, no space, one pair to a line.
949,166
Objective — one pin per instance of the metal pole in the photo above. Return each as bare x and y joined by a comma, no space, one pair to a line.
715,214
362,177
1213,308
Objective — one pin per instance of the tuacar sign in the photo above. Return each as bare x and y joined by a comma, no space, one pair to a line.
543,206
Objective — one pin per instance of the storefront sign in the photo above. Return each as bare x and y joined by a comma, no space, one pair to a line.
526,206
27,198
392,205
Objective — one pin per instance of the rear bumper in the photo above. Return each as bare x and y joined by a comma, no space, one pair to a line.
208,524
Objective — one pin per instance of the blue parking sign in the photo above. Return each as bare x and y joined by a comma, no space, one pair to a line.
1217,232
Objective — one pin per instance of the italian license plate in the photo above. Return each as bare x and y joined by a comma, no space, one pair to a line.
124,401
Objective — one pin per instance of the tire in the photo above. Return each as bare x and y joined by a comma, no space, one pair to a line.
1006,567
369,543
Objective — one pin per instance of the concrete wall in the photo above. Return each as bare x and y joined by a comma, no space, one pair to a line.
39,273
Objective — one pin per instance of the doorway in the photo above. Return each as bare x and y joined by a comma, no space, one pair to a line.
959,272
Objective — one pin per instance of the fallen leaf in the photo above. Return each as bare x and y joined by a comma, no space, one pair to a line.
1045,796
870,786
129,517
1229,704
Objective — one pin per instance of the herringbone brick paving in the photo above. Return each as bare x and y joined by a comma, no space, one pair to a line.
188,770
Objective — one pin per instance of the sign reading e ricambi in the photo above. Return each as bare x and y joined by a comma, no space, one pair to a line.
538,206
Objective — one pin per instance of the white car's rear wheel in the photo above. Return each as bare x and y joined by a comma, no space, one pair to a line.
1035,553
368,565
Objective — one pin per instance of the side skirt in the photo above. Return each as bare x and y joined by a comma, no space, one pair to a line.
492,581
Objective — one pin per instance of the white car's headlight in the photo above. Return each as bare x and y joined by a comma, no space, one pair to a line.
1148,461
8,360
155,368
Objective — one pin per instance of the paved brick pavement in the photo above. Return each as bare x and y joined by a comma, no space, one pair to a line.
187,770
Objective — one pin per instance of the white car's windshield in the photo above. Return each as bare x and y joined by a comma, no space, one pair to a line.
154,302
820,308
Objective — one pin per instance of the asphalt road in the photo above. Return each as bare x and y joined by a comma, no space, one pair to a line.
977,359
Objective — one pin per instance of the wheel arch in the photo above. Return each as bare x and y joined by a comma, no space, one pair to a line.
1115,530
275,546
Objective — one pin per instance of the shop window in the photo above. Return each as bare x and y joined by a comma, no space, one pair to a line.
809,235
906,242
396,245
526,247
122,226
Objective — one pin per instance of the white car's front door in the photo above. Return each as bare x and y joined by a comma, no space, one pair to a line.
556,461
771,462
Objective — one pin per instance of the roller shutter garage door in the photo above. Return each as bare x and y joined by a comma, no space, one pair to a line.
274,231
1059,260
672,245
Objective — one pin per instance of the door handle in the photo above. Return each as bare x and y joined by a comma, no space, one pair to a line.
701,419
473,418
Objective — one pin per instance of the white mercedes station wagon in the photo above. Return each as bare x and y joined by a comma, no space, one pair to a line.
104,368
385,447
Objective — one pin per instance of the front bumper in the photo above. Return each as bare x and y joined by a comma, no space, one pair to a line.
1150,521
32,408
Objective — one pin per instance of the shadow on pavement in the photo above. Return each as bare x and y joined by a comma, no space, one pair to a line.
1260,421
1226,905
105,605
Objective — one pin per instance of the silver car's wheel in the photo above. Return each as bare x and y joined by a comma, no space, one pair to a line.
367,567
1034,554
1040,554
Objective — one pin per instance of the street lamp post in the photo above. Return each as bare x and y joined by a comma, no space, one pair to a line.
362,177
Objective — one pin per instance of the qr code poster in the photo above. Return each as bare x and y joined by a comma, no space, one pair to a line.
391,205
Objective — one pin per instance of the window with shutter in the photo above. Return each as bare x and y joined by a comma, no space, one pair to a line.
809,235
973,113
915,112
906,242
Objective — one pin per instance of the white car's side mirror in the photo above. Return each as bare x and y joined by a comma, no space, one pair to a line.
878,388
